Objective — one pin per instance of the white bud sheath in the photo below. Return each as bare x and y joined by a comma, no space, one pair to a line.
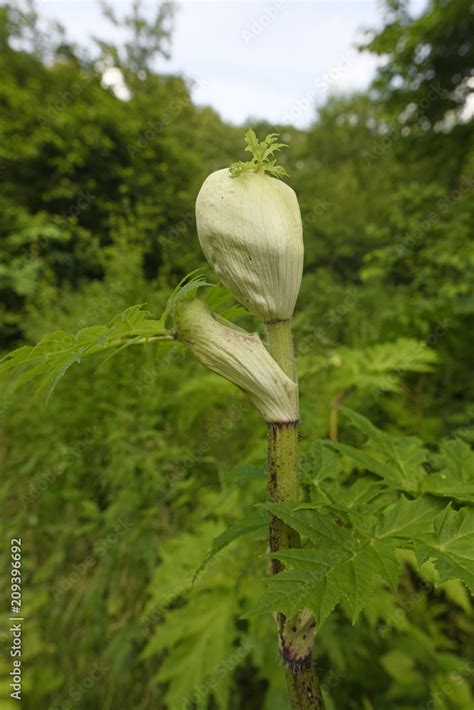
238,356
250,231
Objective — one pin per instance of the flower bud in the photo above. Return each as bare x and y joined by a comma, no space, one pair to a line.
250,231
238,356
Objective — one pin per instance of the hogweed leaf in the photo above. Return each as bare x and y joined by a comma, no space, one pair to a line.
263,160
346,562
258,522
187,288
49,360
377,368
454,472
199,638
399,460
451,546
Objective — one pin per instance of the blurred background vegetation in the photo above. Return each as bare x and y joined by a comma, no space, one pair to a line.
119,485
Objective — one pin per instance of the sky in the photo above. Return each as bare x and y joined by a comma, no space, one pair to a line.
261,60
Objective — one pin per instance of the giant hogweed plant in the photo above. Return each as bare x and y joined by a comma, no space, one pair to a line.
329,543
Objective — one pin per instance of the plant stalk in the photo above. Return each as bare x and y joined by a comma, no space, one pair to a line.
296,635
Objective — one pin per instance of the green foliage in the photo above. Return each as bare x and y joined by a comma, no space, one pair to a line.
187,288
250,524
198,636
263,160
429,56
355,532
375,369
398,460
347,561
453,472
83,164
50,359
145,466
450,544
402,462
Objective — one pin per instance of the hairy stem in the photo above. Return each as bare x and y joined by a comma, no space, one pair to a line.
296,635
282,483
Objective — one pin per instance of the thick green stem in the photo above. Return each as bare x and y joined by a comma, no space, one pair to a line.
280,341
282,483
303,688
296,635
